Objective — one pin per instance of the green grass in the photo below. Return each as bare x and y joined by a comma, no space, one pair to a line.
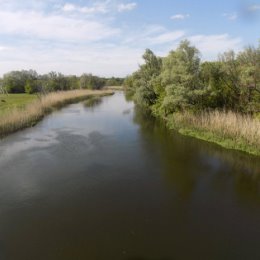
227,143
11,101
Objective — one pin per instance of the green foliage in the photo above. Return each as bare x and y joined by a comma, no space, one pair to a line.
15,81
180,76
114,81
180,82
30,86
30,82
143,84
249,62
88,81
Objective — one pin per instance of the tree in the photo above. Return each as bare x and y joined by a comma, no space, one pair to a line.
73,82
15,81
181,82
114,81
249,63
88,81
218,95
142,82
31,86
180,76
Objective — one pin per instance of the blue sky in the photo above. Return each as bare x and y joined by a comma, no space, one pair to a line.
108,37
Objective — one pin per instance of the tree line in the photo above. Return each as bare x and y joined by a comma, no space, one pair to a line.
181,81
29,81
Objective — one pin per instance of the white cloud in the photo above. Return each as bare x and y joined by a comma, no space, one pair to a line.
211,45
69,7
152,35
254,8
126,7
3,48
53,26
103,60
165,37
180,16
73,38
101,7
231,16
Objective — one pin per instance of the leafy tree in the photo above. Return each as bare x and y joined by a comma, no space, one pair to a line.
142,83
15,81
181,82
114,81
218,94
180,76
249,63
72,82
88,81
31,86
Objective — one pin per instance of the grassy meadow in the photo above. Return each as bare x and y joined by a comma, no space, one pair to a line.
14,101
20,110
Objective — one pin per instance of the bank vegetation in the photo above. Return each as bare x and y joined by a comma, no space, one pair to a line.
217,101
19,118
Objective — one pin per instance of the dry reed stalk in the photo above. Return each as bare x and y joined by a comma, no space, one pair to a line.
231,125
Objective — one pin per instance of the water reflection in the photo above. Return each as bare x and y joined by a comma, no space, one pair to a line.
189,162
110,182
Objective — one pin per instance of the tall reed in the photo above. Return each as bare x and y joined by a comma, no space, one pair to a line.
227,128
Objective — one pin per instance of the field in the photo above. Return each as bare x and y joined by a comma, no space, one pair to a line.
13,101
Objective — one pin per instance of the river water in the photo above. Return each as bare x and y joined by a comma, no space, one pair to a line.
109,182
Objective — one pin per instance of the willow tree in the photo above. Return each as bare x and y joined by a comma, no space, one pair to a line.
180,76
144,80
249,64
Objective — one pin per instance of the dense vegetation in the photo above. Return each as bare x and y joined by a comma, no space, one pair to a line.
181,81
189,94
29,81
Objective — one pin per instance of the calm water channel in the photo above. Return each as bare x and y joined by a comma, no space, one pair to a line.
109,182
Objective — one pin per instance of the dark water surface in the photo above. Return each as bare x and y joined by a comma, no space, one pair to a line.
109,182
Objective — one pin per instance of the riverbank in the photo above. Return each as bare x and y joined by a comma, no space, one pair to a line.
19,118
227,129
115,88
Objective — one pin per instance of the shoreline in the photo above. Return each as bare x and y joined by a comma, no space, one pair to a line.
223,139
225,143
32,113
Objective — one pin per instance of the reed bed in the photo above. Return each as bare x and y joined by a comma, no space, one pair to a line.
229,129
17,119
116,88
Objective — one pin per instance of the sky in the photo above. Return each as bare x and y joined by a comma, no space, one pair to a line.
108,37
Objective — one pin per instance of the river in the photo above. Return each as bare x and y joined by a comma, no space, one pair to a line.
110,182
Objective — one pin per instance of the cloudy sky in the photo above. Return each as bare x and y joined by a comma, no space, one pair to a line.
108,37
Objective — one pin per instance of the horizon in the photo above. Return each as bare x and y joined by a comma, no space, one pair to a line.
108,38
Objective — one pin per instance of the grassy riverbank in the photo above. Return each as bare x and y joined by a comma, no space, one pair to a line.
115,88
228,129
20,117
